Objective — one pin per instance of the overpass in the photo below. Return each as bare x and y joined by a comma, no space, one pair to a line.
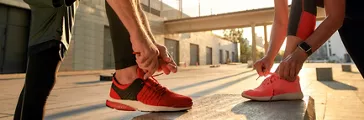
248,18
256,17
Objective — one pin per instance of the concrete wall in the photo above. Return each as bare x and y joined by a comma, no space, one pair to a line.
89,35
15,3
203,39
86,51
67,64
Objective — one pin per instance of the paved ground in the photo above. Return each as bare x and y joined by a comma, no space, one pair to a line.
82,96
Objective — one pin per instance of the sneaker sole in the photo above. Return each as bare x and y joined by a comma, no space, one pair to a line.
287,96
129,105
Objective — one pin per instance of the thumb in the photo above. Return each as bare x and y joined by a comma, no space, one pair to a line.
267,69
259,68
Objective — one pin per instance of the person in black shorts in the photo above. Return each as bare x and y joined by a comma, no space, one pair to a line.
303,39
137,57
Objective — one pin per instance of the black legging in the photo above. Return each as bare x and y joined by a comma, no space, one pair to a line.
39,81
350,36
43,66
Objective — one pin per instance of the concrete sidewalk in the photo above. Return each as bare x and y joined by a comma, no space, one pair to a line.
80,97
91,72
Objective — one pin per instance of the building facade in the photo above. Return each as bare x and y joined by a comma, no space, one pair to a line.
91,47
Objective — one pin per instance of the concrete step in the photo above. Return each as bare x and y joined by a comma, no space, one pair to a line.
233,106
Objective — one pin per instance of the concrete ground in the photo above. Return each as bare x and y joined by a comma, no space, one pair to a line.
81,96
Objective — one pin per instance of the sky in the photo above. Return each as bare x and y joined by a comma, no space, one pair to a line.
208,7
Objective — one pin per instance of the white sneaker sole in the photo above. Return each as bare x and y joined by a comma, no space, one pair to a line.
144,107
287,96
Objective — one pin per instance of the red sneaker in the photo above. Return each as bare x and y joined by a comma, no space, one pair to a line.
146,95
274,88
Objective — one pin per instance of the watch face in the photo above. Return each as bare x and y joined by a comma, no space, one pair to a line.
305,46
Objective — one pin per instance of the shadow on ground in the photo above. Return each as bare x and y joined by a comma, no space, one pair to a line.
75,111
336,85
208,81
225,85
160,116
90,82
354,72
288,110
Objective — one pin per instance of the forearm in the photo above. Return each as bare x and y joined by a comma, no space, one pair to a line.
323,32
146,23
278,35
127,11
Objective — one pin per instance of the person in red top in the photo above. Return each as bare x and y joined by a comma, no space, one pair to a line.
303,39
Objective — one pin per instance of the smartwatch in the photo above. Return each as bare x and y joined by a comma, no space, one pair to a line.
305,47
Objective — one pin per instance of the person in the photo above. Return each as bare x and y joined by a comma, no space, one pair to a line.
137,58
303,39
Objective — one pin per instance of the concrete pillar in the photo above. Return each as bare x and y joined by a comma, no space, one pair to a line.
180,9
254,44
199,8
161,9
266,44
149,6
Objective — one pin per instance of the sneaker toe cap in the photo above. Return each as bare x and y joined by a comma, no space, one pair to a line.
176,100
255,93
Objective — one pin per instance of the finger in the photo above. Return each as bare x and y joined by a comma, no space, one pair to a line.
161,62
258,66
292,71
267,69
151,69
163,67
286,71
172,60
154,65
172,67
281,69
166,70
264,69
164,55
298,69
148,74
145,65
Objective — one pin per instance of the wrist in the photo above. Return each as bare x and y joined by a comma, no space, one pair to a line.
270,57
301,52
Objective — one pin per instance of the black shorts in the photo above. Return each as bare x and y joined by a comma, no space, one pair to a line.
45,34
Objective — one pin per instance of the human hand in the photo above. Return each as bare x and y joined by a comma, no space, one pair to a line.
292,64
166,62
263,66
146,54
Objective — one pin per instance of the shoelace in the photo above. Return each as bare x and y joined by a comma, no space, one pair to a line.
270,79
154,84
